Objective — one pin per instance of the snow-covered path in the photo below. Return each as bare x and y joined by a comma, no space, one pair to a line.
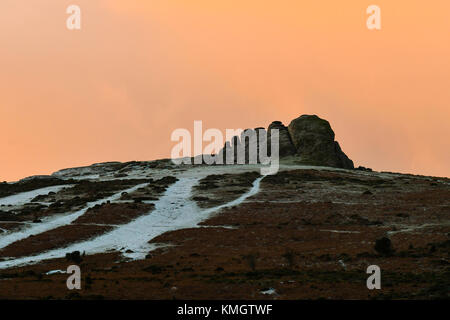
25,197
55,222
173,211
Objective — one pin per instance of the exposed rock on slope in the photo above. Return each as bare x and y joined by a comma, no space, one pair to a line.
313,139
286,146
308,138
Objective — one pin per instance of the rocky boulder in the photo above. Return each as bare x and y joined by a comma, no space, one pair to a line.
308,139
384,246
314,143
286,147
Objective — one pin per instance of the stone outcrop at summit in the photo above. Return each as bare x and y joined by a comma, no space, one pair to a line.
287,148
308,140
314,141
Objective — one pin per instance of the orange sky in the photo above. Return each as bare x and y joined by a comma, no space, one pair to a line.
139,69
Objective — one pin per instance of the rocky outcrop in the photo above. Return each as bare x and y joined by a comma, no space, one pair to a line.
308,139
314,142
243,141
287,148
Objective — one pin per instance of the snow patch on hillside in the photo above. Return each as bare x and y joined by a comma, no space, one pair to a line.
55,222
26,197
173,211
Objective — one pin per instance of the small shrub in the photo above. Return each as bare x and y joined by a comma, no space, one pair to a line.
251,260
289,255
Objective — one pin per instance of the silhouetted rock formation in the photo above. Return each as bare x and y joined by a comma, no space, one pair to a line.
308,138
313,139
287,148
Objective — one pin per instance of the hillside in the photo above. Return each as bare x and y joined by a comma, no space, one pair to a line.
153,230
